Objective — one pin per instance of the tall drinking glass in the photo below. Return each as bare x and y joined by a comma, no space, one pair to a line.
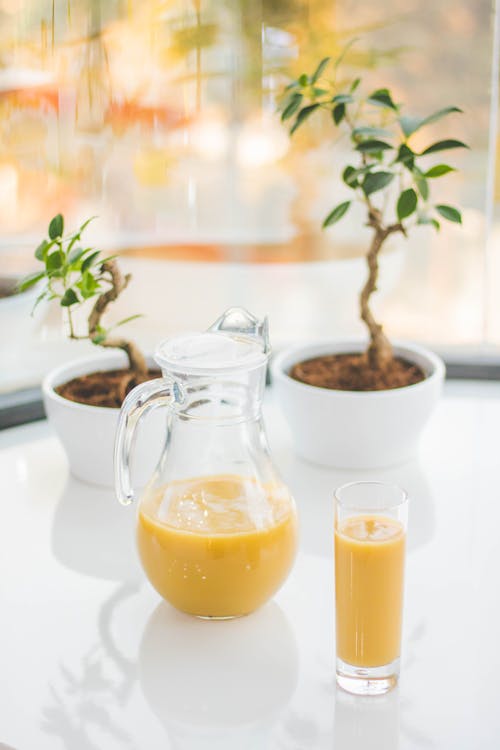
370,541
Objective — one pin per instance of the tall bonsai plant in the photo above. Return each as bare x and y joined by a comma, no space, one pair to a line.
386,174
74,275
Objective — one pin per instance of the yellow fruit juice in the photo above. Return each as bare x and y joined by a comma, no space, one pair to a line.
369,563
217,546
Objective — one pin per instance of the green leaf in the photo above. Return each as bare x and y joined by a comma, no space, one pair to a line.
337,213
73,240
422,186
100,334
89,260
406,156
99,337
304,79
338,113
350,177
438,170
127,320
86,223
292,106
30,281
345,51
88,250
375,181
54,260
383,98
407,203
319,70
443,145
42,250
105,260
88,285
69,298
75,255
319,92
354,85
439,114
88,293
373,146
410,125
450,213
342,99
427,220
303,115
56,227
369,131
38,300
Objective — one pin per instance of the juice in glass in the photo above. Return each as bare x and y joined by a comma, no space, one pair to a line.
217,546
370,542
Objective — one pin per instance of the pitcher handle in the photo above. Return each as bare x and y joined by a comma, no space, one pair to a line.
139,401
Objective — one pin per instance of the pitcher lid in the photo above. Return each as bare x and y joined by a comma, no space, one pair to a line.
204,353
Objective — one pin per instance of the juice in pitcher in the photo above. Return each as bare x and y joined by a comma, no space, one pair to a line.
217,546
216,527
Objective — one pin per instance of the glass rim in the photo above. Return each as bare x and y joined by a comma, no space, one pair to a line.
378,483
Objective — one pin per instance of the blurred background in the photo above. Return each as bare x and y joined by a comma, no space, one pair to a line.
159,117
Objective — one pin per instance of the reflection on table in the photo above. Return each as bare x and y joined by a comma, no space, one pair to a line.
219,684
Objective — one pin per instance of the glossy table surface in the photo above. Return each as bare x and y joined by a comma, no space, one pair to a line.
90,659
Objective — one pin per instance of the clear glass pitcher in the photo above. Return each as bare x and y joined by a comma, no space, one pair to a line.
216,527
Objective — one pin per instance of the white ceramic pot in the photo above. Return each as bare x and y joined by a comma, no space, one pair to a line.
88,432
356,429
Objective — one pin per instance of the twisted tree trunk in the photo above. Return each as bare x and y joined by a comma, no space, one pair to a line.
379,351
119,282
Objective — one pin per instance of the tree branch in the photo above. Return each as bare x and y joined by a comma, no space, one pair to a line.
119,283
380,351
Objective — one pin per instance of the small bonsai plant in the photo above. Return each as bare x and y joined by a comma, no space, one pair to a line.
391,179
73,275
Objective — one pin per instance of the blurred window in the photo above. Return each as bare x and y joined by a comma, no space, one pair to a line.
160,118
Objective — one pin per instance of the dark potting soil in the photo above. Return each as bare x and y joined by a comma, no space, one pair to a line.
106,388
351,372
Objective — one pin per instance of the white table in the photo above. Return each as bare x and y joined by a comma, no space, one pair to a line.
90,659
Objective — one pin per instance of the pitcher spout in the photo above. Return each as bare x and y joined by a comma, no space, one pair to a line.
239,320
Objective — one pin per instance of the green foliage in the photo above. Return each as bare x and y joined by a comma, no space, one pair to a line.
450,213
304,113
443,146
382,98
338,113
319,70
372,146
439,170
69,298
375,181
407,203
292,106
410,125
30,280
72,274
56,227
337,213
380,134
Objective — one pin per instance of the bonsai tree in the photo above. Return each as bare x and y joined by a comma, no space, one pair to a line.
75,274
386,174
